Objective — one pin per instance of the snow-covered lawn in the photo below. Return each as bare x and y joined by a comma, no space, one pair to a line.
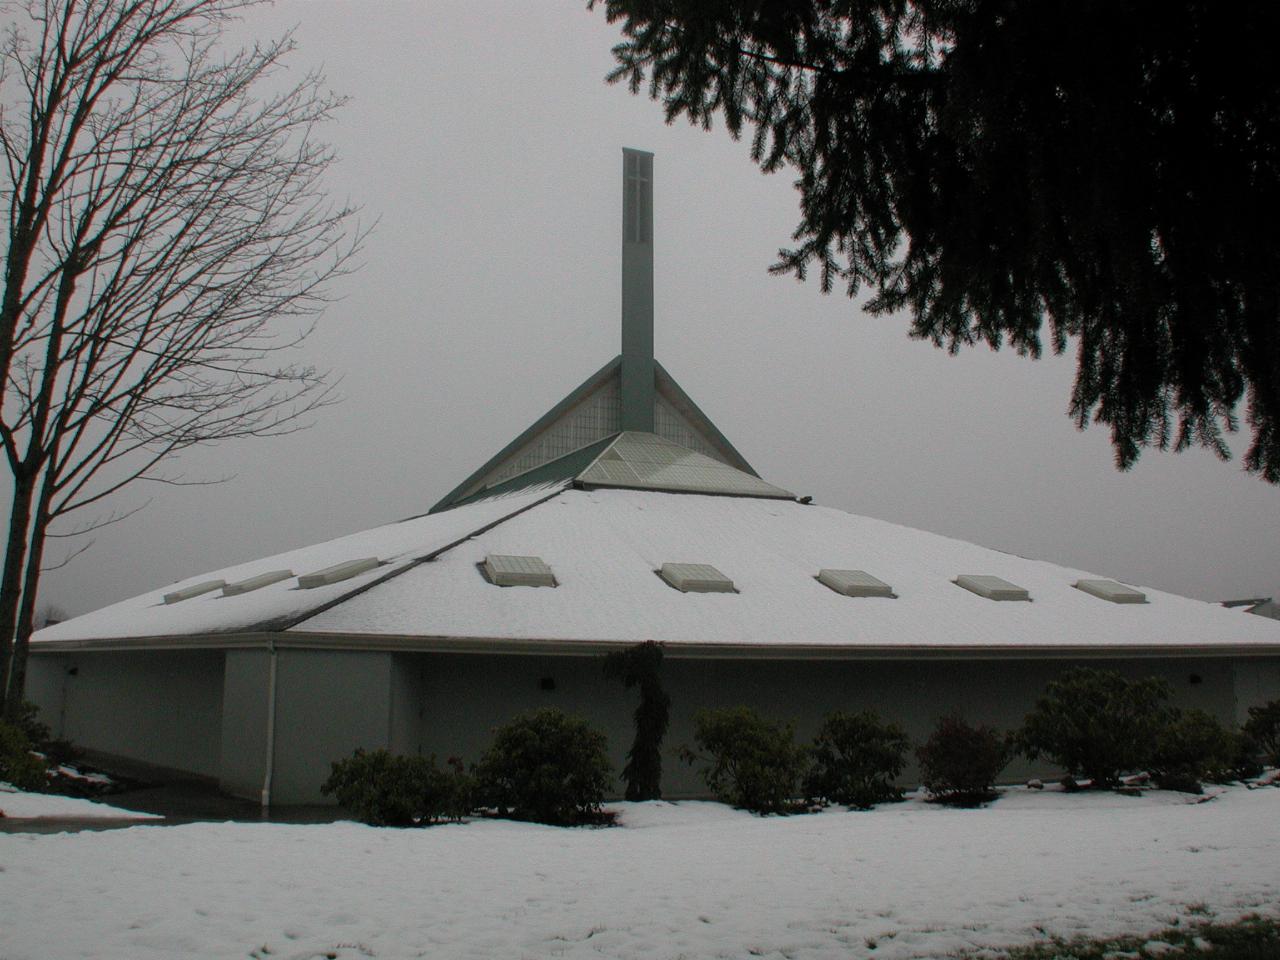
18,804
675,880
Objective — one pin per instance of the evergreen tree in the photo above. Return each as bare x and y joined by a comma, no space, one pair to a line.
1110,167
641,666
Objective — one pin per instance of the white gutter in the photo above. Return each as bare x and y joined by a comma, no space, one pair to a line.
271,727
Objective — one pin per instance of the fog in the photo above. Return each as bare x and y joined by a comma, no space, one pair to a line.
483,140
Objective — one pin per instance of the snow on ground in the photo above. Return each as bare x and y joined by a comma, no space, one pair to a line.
675,880
19,804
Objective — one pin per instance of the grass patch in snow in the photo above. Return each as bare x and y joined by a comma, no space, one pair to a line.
1250,938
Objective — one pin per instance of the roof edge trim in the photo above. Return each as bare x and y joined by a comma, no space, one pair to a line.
303,640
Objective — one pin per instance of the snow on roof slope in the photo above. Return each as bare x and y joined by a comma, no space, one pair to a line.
396,545
604,546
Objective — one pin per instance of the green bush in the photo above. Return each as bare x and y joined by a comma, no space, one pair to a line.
856,758
55,751
28,721
18,765
1096,724
1192,747
959,763
752,763
1241,760
1263,726
383,789
546,766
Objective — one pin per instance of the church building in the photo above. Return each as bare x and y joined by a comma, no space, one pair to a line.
621,515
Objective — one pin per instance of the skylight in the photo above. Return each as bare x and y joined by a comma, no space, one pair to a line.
645,461
255,583
195,590
512,571
993,588
337,573
854,583
696,578
1110,590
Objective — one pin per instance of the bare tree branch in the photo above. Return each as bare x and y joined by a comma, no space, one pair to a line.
169,241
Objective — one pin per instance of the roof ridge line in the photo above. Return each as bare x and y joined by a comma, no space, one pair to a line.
604,443
288,623
574,397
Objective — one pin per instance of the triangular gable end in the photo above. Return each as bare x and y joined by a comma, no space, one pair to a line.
632,392
590,413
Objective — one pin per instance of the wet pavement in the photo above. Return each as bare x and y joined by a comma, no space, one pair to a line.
177,802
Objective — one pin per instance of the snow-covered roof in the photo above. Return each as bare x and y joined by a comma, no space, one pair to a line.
396,545
604,506
605,546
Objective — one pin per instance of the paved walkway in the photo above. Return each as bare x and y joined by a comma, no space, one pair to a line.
178,802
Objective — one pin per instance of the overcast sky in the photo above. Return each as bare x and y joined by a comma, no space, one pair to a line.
482,137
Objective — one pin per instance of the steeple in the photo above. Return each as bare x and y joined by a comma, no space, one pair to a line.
631,395
637,290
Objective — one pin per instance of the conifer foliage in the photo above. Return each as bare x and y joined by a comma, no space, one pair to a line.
641,666
1107,167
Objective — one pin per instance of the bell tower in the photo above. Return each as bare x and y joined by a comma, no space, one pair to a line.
637,291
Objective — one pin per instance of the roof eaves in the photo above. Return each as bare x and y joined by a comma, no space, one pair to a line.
304,640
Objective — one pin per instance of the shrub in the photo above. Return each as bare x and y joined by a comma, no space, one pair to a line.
1263,726
383,789
1190,746
959,763
753,763
18,765
1241,760
856,758
28,721
1096,724
641,666
546,766
55,751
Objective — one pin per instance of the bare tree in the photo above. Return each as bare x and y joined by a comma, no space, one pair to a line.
168,236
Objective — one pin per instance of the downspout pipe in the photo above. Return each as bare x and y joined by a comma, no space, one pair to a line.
269,765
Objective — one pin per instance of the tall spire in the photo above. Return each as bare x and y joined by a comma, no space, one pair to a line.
637,290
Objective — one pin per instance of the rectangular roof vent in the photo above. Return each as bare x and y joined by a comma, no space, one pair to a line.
993,588
255,583
854,583
696,578
509,571
195,590
337,573
1110,590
